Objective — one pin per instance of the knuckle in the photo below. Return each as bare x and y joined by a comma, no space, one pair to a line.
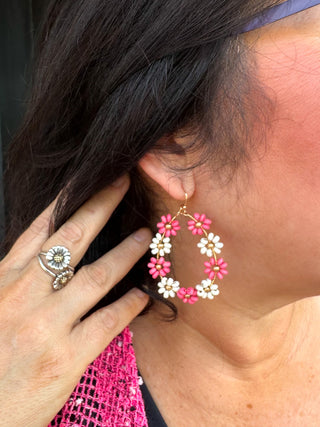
108,318
131,251
106,321
39,225
133,303
72,231
95,275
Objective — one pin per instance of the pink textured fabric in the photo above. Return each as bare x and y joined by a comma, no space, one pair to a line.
108,393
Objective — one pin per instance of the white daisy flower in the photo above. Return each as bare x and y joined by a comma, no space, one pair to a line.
207,289
58,257
62,279
160,246
168,287
209,244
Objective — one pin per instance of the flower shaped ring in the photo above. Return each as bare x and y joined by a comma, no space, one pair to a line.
57,258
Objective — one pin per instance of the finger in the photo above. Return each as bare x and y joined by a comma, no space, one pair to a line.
31,240
79,231
93,335
93,281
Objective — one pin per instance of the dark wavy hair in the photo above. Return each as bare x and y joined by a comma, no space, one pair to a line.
114,79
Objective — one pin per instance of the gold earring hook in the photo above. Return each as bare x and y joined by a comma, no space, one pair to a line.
183,207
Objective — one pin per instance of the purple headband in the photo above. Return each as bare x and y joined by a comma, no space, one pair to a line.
279,11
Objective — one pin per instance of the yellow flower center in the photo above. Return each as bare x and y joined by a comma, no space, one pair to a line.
168,226
58,258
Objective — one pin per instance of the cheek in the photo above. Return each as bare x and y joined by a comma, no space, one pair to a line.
289,171
284,199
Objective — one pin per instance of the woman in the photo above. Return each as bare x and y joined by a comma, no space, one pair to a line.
191,98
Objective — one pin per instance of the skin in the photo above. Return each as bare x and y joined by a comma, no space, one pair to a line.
251,356
44,347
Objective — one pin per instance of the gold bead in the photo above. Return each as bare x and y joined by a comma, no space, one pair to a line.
198,224
168,226
216,268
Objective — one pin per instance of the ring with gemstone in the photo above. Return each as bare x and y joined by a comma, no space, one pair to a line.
57,258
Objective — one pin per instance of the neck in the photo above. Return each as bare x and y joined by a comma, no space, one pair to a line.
243,344
253,326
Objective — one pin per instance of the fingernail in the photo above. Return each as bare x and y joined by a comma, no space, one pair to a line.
142,235
120,181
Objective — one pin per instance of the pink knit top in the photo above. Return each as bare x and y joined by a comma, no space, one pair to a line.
108,393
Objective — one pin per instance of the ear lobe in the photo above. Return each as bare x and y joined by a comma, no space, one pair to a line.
174,183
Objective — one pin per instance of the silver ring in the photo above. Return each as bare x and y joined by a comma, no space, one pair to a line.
57,258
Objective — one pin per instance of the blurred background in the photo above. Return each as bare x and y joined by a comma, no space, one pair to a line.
19,21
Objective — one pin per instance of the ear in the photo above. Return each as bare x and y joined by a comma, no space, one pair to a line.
176,184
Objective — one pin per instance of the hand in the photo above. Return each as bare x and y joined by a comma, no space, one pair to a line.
44,348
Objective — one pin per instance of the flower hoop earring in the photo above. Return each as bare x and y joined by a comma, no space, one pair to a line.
209,245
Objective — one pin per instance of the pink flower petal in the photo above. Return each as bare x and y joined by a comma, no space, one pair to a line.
153,270
211,275
220,275
223,271
197,216
155,274
202,217
181,292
